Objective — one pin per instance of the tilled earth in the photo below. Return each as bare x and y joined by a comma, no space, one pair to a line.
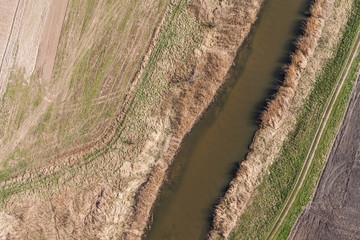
335,210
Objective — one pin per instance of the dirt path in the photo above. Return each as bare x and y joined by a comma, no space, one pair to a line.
4,38
334,212
310,156
9,36
50,39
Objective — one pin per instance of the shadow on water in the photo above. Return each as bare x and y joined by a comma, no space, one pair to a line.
278,74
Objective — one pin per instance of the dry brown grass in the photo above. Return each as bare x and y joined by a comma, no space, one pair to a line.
325,25
278,107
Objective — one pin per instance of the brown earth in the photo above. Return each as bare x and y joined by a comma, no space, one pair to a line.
334,211
280,117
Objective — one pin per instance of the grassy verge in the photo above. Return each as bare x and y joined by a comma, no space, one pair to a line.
275,187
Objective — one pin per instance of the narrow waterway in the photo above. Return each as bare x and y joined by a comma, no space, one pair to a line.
212,151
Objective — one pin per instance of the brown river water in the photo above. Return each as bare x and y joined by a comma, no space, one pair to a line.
210,154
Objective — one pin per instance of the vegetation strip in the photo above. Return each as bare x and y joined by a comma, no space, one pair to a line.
318,135
105,182
209,71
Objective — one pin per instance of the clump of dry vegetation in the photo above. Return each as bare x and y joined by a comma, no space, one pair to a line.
322,34
278,107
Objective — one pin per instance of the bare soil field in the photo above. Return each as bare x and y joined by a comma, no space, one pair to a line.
334,212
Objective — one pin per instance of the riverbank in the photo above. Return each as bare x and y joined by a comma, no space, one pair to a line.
255,208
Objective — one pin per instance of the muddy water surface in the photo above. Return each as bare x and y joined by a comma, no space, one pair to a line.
211,153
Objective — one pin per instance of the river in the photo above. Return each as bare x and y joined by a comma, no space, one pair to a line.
210,154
